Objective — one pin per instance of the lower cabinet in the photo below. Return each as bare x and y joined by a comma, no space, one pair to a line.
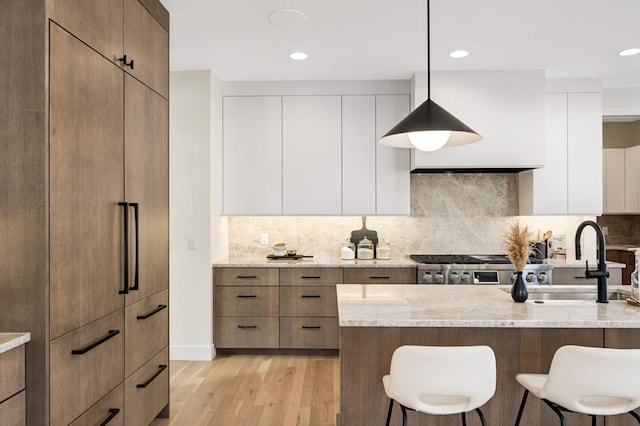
12,387
623,256
109,410
146,391
289,307
575,276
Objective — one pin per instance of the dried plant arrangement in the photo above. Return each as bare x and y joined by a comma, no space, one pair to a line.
518,243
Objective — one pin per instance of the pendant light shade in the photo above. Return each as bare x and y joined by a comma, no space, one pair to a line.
429,127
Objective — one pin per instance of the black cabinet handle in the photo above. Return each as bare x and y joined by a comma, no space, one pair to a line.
124,61
311,326
155,311
247,326
113,412
311,277
380,278
125,206
316,296
82,351
245,296
136,273
247,277
161,368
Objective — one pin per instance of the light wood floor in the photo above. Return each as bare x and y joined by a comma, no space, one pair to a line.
255,390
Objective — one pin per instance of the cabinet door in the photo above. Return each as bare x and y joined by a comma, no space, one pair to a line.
86,184
392,164
96,23
147,183
311,152
146,42
252,155
584,141
614,180
358,155
631,179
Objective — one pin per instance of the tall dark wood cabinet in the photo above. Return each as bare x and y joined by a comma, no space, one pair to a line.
84,206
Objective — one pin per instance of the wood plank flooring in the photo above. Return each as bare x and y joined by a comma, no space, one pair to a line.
255,390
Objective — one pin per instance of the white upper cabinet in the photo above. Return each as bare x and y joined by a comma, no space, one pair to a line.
622,180
506,108
252,155
392,164
571,181
311,153
359,155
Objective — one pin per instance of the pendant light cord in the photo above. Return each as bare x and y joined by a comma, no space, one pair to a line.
428,52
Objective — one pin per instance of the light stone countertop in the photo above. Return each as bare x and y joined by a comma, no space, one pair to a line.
10,341
580,264
316,262
369,305
628,247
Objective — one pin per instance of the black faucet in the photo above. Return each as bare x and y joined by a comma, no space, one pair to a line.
601,273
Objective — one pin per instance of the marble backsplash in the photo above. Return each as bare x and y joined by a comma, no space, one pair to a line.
465,213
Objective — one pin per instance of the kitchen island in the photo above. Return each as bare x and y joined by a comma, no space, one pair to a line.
375,319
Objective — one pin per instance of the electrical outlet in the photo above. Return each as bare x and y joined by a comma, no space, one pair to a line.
192,243
264,239
605,230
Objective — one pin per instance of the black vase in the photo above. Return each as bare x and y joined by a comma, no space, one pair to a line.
519,291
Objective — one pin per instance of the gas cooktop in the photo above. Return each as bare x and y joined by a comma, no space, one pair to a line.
464,259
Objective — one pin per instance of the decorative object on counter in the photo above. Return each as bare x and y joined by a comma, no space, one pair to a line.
383,251
518,245
429,127
365,249
557,247
289,256
348,251
358,235
280,249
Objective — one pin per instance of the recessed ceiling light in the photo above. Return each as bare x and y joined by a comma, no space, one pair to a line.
459,54
287,18
629,52
298,56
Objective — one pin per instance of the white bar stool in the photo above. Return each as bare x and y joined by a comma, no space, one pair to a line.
441,380
593,381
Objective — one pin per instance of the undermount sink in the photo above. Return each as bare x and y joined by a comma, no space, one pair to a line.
573,295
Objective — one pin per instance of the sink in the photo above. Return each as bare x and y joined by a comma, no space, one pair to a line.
573,295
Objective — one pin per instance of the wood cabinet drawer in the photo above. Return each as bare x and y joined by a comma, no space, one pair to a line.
575,276
246,276
247,332
247,301
147,330
147,390
109,410
310,276
309,333
308,301
13,410
11,372
85,365
380,275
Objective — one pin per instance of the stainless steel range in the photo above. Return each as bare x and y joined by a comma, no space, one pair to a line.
477,269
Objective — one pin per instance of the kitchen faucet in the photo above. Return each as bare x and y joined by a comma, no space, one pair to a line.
601,273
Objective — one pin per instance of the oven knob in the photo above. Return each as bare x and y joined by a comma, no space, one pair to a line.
531,277
427,278
453,277
440,278
466,278
543,278
513,277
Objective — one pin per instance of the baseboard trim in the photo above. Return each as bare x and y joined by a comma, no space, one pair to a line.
192,353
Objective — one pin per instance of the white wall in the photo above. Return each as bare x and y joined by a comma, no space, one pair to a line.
190,286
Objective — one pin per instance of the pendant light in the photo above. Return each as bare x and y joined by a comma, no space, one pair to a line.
429,127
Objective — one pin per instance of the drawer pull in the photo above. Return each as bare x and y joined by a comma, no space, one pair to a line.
155,311
82,351
247,295
247,277
311,327
380,278
317,296
245,327
311,277
161,368
113,412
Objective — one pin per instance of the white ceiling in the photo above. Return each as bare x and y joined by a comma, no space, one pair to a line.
386,39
